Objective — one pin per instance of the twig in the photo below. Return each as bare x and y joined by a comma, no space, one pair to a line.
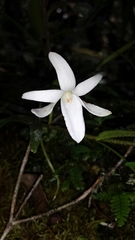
28,195
84,195
25,159
120,161
97,183
13,204
118,164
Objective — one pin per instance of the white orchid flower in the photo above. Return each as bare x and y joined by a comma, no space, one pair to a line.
69,93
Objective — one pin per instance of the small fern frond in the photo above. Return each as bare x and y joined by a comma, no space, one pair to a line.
121,205
107,195
102,196
75,174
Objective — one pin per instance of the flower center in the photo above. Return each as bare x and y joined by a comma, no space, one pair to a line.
67,97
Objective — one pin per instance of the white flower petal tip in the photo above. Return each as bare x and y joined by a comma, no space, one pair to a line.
87,85
64,72
43,112
96,110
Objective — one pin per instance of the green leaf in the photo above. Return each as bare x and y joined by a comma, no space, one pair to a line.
121,206
80,152
102,196
35,135
65,185
119,142
131,165
76,178
115,134
117,53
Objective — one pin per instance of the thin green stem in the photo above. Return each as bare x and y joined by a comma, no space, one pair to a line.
119,142
50,118
51,167
105,145
112,150
90,137
117,53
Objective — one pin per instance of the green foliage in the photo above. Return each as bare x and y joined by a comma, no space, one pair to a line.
120,202
81,152
115,134
112,135
131,165
29,30
84,153
118,52
35,135
103,196
75,178
121,206
75,174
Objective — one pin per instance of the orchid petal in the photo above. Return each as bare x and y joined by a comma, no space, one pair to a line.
43,95
64,72
95,110
43,112
87,85
73,115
